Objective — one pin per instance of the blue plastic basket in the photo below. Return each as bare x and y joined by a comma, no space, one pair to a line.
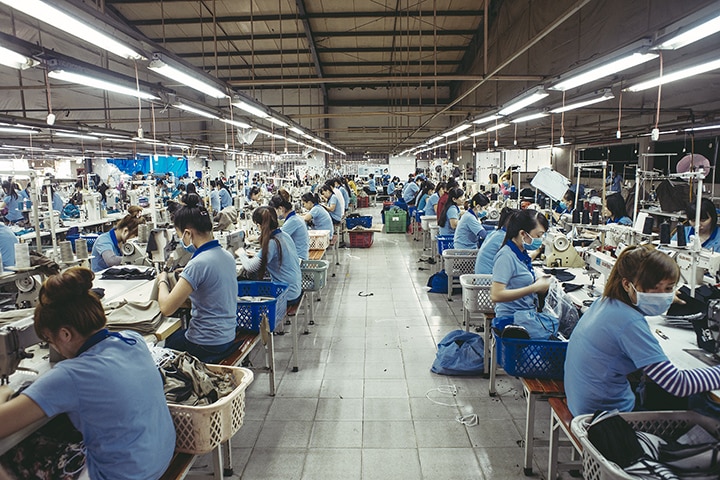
445,242
532,358
249,313
353,222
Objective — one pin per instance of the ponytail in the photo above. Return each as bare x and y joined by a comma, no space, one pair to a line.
453,194
266,217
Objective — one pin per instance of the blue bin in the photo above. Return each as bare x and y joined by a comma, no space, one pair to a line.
249,313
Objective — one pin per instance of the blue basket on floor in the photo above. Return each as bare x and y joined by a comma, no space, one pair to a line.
532,358
249,313
445,242
353,222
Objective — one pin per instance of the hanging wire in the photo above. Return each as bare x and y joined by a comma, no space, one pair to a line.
152,116
47,92
562,120
137,86
618,134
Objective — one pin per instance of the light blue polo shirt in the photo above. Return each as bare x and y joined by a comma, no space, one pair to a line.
211,274
7,245
409,192
24,196
432,202
611,340
621,221
337,213
12,205
453,212
289,270
104,242
489,248
513,273
296,228
371,185
345,194
468,232
712,243
225,198
321,219
391,188
113,394
57,202
215,200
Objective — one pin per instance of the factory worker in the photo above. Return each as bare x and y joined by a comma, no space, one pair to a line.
293,224
12,203
470,232
209,280
709,230
57,201
411,190
506,184
427,191
615,205
339,187
214,198
613,338
277,255
333,203
450,184
108,385
567,203
317,215
433,199
491,245
371,188
107,250
449,217
7,245
224,193
515,287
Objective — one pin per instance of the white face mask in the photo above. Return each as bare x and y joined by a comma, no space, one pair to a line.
652,304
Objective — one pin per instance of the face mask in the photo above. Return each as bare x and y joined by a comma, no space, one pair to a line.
506,184
653,303
190,248
482,214
534,244
563,205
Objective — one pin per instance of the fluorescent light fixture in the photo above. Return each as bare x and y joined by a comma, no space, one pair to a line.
76,135
195,110
486,119
461,128
22,131
15,60
235,123
179,73
436,139
526,99
666,132
251,109
675,76
706,127
278,122
527,118
585,101
692,28
264,132
497,127
90,81
297,131
45,12
480,132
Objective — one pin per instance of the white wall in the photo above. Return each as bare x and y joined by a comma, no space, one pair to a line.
401,167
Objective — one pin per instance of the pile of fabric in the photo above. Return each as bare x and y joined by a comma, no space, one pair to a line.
188,381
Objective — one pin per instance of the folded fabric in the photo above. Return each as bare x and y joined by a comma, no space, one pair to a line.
128,273
187,381
571,287
559,273
142,317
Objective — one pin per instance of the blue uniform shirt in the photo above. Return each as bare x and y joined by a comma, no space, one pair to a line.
289,270
225,198
712,243
468,232
431,204
12,205
7,245
371,185
321,219
104,242
211,274
215,200
453,212
409,192
24,197
611,340
621,221
337,213
295,227
113,394
509,270
489,248
391,188
57,202
345,195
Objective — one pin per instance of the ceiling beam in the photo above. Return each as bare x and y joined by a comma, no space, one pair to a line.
335,64
321,50
381,79
302,11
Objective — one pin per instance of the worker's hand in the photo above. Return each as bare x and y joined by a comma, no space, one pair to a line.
162,277
542,284
677,299
5,393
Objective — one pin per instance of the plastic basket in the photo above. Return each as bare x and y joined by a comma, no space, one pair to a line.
476,293
427,220
363,202
459,262
355,221
532,358
275,306
200,429
445,242
319,239
361,239
396,221
670,425
314,274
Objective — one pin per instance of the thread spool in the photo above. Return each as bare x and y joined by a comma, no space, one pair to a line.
81,250
595,217
648,226
576,216
66,253
585,217
681,241
143,233
22,255
664,233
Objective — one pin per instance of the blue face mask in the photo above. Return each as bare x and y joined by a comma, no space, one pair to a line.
534,245
482,214
190,248
563,205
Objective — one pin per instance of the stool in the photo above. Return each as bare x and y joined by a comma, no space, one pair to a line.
476,300
373,199
292,311
560,419
537,389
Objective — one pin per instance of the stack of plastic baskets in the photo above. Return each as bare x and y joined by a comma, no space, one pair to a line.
314,277
319,239
476,301
267,298
456,263
363,202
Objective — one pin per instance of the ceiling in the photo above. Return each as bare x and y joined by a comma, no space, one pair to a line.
369,77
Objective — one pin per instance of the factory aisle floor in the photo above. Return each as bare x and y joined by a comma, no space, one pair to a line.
364,404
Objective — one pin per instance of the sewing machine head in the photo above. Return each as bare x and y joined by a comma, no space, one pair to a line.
14,339
134,255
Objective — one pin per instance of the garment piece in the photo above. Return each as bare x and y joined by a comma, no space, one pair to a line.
45,265
620,221
227,218
211,274
571,287
57,202
486,255
469,232
141,317
7,245
188,381
105,242
611,340
561,274
113,395
513,273
321,219
128,273
295,227
453,212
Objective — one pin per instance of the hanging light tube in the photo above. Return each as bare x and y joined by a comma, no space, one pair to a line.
166,67
235,123
461,128
526,99
585,101
15,60
195,110
690,29
487,119
251,109
676,75
705,127
497,127
96,82
276,121
530,117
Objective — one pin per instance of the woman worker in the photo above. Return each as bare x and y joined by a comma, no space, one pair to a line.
319,217
514,286
470,232
449,217
277,255
433,199
422,198
493,242
333,206
615,204
209,280
613,338
11,202
107,250
109,385
293,225
709,231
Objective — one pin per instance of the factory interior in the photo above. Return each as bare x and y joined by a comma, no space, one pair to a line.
358,182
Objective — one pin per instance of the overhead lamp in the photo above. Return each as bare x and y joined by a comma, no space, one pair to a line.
692,28
76,135
297,131
479,132
526,99
96,82
618,61
195,110
45,12
666,132
461,128
436,139
527,118
15,60
487,119
276,121
585,101
189,77
497,127
705,127
22,131
673,76
236,123
251,109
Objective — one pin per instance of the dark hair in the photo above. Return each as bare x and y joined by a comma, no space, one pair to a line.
707,210
131,222
644,267
616,204
310,197
266,217
65,300
451,183
181,186
327,187
213,184
493,178
253,191
282,199
9,188
190,188
505,214
440,185
569,196
372,175
478,200
452,195
192,215
134,210
526,220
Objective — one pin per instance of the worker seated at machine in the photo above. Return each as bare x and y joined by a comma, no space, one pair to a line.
616,211
470,233
107,251
708,230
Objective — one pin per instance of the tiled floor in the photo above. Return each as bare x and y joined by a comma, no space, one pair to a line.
364,404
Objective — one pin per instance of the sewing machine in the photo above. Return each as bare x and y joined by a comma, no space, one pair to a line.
14,339
600,263
560,252
134,255
92,201
705,261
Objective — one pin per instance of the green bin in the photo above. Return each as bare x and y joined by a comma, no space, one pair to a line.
395,221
